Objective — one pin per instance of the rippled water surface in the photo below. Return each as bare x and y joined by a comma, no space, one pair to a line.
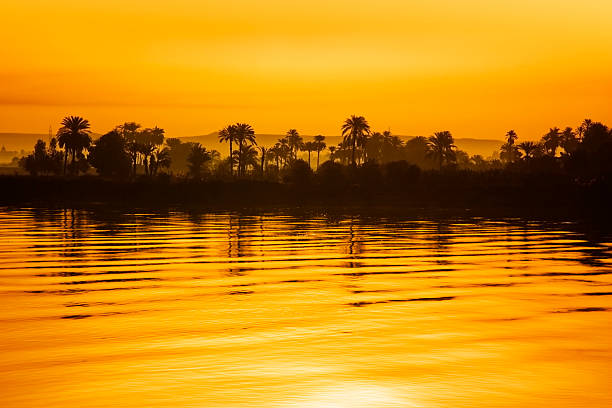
102,308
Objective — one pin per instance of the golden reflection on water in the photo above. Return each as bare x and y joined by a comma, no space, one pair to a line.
220,310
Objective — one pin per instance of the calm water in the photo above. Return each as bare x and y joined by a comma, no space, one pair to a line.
220,310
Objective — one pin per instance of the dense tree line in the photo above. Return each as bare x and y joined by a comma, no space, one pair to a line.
363,156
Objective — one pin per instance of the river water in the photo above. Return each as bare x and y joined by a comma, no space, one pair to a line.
135,309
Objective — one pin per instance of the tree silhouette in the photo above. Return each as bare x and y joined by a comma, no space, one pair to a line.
332,150
319,141
160,159
354,130
264,156
109,157
129,131
198,157
227,135
569,141
295,142
148,140
245,136
309,147
529,148
551,141
511,137
441,147
73,136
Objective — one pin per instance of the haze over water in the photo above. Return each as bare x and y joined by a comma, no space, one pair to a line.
170,309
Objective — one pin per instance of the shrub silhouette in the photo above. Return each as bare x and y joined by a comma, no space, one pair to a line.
332,177
109,157
298,172
399,174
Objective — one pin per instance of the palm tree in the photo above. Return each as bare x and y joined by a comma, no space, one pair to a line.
227,134
552,140
309,147
295,141
284,151
354,130
264,152
160,158
569,141
73,136
509,152
149,140
332,150
584,126
319,141
529,148
129,131
244,136
440,146
197,158
511,136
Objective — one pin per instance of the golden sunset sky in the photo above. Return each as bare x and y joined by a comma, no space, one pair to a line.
474,67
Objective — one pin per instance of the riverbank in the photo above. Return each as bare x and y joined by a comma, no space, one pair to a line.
458,190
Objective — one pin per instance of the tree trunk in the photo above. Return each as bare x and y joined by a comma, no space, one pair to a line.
65,159
353,156
309,159
318,151
231,161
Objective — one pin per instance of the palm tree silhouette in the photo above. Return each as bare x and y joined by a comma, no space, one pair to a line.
511,136
332,150
244,136
264,155
309,147
248,158
354,130
584,127
569,141
440,147
129,131
295,141
552,140
319,141
226,135
73,136
529,148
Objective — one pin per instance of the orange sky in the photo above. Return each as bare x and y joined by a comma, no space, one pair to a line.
474,67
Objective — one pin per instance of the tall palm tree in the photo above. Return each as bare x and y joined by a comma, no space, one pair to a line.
264,153
244,136
130,132
552,140
584,126
511,137
441,147
295,141
319,141
354,130
309,147
73,136
227,135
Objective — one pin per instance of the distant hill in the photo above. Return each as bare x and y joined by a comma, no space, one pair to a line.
21,141
484,147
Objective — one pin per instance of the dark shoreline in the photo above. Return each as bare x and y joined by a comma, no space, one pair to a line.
481,194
